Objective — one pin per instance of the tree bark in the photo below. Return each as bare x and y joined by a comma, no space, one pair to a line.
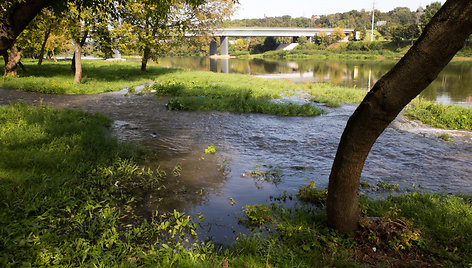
78,62
146,56
11,61
54,55
43,46
16,18
439,42
82,43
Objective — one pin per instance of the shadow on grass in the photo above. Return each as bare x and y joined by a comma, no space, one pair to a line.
98,76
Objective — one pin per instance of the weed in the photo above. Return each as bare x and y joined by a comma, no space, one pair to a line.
262,173
177,170
364,184
382,185
257,215
210,150
445,137
309,193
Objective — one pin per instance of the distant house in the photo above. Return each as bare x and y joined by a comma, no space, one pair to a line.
381,23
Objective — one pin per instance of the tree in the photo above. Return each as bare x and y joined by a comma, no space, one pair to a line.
15,15
160,24
429,12
337,34
440,41
400,16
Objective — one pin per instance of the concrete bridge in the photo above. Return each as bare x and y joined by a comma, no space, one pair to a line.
224,33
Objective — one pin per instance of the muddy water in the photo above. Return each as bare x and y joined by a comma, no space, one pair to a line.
297,148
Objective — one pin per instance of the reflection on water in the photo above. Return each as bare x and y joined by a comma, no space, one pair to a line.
224,63
453,85
299,147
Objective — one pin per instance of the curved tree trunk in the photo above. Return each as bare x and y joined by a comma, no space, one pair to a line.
16,18
440,41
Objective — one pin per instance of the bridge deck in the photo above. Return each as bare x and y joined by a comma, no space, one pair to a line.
274,31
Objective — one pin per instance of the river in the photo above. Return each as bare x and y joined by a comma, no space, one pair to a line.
294,149
453,85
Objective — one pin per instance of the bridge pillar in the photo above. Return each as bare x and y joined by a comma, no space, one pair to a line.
310,39
212,47
224,45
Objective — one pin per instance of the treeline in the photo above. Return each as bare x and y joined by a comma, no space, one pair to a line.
399,23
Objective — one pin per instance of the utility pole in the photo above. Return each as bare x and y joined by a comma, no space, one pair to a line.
372,30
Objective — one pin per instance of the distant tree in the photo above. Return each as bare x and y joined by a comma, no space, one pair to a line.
302,40
401,16
337,34
321,39
429,12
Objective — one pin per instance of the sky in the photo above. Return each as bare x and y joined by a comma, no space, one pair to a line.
305,8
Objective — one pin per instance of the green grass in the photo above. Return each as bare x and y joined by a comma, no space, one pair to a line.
439,115
70,196
98,76
205,91
444,222
410,229
334,95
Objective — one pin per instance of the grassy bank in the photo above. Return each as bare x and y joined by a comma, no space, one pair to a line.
98,76
71,196
354,50
192,90
206,91
408,230
439,115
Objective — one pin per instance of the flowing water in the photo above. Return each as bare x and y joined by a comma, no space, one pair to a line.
296,148
292,148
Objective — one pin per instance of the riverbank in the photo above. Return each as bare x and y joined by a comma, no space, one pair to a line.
72,195
204,91
357,50
336,55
